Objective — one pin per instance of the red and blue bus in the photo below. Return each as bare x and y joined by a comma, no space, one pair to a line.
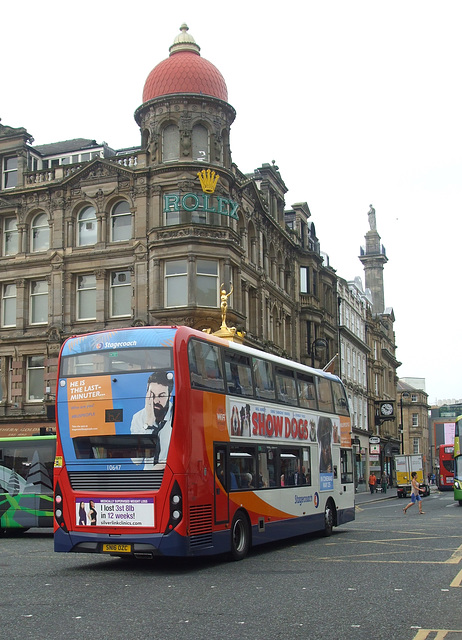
446,462
458,460
178,443
26,482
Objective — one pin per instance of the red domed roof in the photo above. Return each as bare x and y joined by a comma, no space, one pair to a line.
185,72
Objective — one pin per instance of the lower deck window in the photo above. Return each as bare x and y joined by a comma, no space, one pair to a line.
265,466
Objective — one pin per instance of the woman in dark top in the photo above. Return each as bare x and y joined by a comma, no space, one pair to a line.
92,513
82,514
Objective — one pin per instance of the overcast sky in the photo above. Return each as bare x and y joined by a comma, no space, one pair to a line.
358,102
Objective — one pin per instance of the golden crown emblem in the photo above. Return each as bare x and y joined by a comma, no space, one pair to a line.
208,180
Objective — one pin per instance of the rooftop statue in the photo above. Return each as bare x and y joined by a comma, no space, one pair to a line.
371,216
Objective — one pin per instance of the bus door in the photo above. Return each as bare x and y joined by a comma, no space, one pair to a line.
346,470
221,478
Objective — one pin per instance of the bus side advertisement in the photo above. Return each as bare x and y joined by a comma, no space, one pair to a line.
26,482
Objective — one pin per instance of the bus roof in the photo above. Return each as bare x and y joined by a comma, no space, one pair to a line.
163,336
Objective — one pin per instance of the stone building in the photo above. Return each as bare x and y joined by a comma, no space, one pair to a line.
413,410
354,309
97,238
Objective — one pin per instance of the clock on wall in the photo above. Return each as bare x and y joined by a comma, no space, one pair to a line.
386,409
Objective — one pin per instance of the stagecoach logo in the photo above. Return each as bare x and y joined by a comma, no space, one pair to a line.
316,499
115,345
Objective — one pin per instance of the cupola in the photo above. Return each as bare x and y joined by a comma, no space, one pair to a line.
185,71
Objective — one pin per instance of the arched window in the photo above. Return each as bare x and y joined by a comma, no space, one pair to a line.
170,143
200,143
40,233
121,222
10,236
86,227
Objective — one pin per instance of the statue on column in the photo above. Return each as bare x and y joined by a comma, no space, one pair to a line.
371,216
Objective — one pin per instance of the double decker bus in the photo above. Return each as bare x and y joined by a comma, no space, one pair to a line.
178,443
26,482
446,471
458,461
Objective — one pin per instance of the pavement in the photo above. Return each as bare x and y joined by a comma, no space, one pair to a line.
367,496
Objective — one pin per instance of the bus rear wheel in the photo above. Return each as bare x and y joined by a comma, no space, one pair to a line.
240,536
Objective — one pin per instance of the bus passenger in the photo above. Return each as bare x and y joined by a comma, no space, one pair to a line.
248,481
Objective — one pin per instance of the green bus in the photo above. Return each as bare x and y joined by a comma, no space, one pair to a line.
26,482
458,461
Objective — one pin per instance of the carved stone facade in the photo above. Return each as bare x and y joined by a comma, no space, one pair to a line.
354,307
93,238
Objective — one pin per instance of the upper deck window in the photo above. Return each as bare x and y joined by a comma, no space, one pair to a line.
340,401
285,383
264,381
325,401
307,391
117,360
238,374
205,366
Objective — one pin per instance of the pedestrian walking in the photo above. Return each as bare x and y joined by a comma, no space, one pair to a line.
415,493
372,482
384,482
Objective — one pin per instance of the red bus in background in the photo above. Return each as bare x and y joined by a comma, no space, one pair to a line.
446,462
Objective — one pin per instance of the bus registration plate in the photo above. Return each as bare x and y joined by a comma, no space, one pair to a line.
117,548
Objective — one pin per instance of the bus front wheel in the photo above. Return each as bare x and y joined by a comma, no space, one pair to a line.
240,536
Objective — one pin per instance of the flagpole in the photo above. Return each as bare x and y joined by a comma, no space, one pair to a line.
329,363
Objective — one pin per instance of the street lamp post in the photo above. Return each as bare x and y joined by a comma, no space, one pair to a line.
404,394
319,343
